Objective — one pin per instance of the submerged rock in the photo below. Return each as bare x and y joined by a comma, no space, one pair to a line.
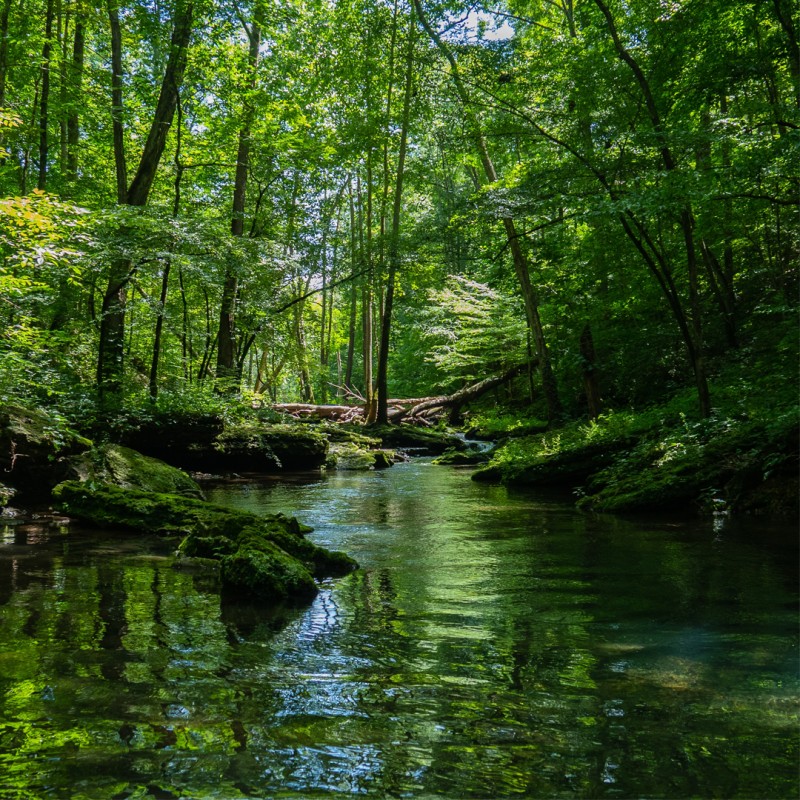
265,558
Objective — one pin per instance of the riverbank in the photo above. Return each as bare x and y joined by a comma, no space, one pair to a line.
743,459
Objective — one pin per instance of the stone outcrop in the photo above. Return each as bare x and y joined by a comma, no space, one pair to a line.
262,558
128,469
34,448
204,443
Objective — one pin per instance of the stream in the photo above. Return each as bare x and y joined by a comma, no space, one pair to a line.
495,644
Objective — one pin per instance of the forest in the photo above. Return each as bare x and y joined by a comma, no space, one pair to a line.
500,299
221,207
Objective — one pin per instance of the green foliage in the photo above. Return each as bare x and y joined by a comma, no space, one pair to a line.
665,457
702,140
472,328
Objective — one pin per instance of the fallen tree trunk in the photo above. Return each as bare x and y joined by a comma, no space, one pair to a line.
468,393
308,410
415,409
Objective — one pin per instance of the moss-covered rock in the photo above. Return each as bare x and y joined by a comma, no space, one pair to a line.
128,469
205,443
350,456
337,433
34,446
6,493
292,447
462,457
411,437
267,573
215,532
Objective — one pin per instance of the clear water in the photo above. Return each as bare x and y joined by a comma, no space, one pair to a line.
493,645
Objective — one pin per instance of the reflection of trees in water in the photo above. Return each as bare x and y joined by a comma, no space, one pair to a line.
492,646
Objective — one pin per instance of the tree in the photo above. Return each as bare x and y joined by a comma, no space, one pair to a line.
112,326
228,371
529,293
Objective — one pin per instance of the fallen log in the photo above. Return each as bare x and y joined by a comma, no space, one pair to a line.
472,392
416,409
309,410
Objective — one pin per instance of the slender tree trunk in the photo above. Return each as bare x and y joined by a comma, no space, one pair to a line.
351,342
5,12
227,368
306,389
529,294
162,300
367,299
44,98
382,417
590,373
62,35
382,237
117,109
75,80
686,218
112,326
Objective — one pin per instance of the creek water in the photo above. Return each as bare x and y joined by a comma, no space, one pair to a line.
494,644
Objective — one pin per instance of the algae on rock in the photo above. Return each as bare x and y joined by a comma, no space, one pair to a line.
264,558
350,456
129,469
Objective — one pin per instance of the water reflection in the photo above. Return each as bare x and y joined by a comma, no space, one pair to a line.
492,646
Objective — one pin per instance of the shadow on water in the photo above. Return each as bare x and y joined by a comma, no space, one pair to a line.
494,644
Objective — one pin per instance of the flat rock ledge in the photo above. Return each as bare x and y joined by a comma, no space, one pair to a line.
259,558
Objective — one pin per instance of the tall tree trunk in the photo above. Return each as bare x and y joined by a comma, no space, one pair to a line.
686,218
351,339
162,300
529,294
75,81
44,97
5,12
366,300
63,17
306,389
228,372
112,326
394,242
117,109
590,373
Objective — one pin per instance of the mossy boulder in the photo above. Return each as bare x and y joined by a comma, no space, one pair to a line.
260,447
337,433
34,446
205,443
129,469
6,493
265,558
462,457
267,573
350,456
411,437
